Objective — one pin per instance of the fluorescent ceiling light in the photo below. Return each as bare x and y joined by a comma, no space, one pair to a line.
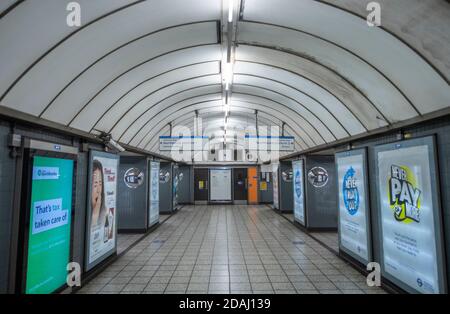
226,108
228,73
230,10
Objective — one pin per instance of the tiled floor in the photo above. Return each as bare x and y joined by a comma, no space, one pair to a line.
330,239
125,240
228,249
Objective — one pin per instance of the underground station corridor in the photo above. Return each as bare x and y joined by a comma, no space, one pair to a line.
229,249
248,150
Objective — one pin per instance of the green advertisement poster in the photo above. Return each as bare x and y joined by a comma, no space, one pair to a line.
50,223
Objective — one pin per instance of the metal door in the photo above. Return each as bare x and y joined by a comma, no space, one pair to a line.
240,185
201,185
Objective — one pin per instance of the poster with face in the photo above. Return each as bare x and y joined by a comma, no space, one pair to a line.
102,210
353,204
410,215
299,191
154,193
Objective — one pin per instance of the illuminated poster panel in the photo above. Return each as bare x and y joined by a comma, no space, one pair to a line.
410,215
299,191
276,203
48,249
353,204
102,209
154,193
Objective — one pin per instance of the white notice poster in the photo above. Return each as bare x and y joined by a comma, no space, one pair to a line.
220,184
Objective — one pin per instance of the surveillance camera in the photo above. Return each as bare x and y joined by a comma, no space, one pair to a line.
110,143
113,144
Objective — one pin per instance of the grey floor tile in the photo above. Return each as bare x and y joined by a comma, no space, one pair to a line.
218,286
239,279
156,287
324,285
198,286
134,287
184,279
240,286
256,279
261,286
212,249
199,279
282,286
285,291
267,291
241,291
219,279
113,288
156,280
278,278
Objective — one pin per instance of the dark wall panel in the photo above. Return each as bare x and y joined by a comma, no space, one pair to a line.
7,177
321,201
132,202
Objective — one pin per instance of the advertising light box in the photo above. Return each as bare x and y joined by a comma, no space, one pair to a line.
48,249
102,208
354,215
276,202
299,191
410,215
154,193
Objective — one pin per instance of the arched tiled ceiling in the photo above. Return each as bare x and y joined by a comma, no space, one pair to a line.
134,66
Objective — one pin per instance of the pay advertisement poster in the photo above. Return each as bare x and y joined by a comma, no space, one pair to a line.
50,224
102,210
409,214
154,193
353,204
299,191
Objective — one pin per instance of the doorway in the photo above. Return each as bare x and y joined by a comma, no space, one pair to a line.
252,175
201,185
240,185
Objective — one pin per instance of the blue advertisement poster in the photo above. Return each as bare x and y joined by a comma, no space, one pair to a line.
353,205
299,191
154,193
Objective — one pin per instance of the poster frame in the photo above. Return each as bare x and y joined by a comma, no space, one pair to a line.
216,201
89,266
22,260
429,141
149,222
347,153
303,166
